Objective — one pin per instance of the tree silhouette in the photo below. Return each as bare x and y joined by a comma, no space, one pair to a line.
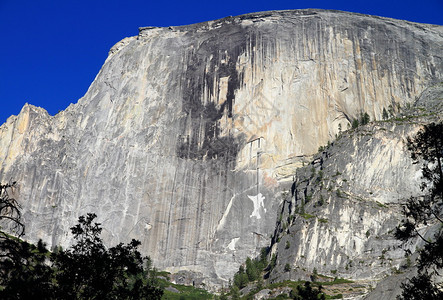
306,292
90,271
24,273
10,215
426,147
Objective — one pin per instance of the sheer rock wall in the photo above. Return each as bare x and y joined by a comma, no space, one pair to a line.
188,133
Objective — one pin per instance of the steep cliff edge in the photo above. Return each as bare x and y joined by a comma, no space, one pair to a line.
188,133
339,217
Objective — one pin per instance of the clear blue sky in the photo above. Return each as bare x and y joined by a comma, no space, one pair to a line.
51,51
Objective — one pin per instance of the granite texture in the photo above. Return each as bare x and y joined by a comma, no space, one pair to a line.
188,135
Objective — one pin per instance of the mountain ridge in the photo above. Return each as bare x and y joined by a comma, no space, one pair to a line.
188,137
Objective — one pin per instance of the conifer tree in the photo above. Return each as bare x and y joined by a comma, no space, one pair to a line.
425,147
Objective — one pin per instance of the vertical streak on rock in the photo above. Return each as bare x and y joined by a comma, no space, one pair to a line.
158,145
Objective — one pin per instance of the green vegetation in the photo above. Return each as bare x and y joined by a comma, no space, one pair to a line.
338,296
320,177
337,174
336,281
339,194
323,220
427,148
306,292
184,292
287,267
381,205
308,198
286,283
323,148
314,275
304,289
300,290
306,216
273,262
362,120
385,115
288,245
254,269
87,270
408,261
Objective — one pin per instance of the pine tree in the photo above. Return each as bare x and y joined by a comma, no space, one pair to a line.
427,146
306,292
385,115
91,271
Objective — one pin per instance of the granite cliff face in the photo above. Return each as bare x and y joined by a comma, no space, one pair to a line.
188,134
342,209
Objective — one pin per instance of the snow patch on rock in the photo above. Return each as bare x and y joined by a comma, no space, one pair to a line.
231,245
258,202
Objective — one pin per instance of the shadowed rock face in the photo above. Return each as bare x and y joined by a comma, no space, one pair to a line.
187,133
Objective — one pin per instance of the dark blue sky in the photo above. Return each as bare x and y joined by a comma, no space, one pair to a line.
51,51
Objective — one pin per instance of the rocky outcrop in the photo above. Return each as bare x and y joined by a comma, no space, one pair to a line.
339,217
188,133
